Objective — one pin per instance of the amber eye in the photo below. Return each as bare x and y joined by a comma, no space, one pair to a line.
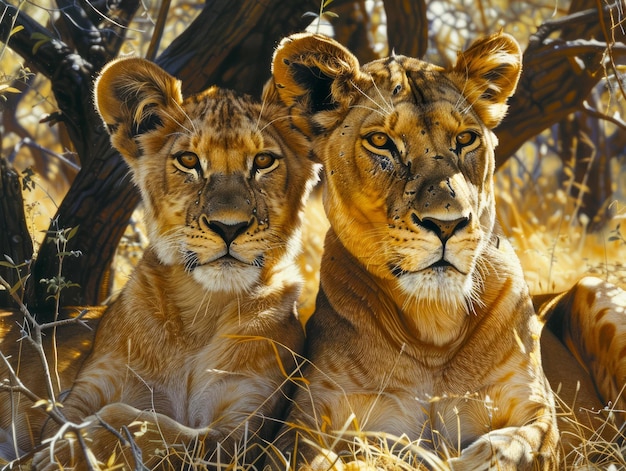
465,138
188,160
380,140
263,161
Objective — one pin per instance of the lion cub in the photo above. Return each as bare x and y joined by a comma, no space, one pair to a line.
189,364
424,331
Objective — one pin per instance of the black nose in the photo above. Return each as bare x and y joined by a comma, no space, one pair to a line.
228,232
443,229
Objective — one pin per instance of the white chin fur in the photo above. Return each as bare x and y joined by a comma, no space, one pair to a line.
437,288
227,279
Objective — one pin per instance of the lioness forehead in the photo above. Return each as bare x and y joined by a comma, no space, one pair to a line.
412,80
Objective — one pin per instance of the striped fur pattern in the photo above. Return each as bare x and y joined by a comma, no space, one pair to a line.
193,356
424,329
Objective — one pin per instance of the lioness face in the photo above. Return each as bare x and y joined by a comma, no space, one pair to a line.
407,149
420,178
221,200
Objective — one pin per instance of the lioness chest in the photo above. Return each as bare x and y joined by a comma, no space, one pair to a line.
399,391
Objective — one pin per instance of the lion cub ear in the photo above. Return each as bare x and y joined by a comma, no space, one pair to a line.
487,74
314,74
132,96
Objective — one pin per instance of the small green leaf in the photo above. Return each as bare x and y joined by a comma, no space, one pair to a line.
41,40
7,89
15,30
16,286
9,259
72,232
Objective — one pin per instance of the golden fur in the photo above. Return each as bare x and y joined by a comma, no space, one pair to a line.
424,327
583,351
194,355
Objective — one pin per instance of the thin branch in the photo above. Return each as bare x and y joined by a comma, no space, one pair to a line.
578,47
600,115
155,41
21,388
611,45
77,430
17,386
36,339
578,18
28,142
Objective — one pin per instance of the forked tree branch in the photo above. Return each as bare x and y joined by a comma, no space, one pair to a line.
558,75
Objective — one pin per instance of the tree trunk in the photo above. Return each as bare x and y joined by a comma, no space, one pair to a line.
407,27
15,241
228,44
353,29
231,43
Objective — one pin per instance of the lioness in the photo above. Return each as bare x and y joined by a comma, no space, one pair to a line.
190,362
424,327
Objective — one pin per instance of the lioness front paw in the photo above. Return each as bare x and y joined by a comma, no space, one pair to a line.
503,450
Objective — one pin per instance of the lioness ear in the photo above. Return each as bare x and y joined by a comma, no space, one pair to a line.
131,96
312,73
487,74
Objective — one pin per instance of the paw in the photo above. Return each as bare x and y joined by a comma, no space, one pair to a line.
502,450
64,451
105,438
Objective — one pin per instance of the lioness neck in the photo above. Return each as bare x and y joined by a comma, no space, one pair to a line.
349,285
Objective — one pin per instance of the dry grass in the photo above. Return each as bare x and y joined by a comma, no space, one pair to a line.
555,249
551,239
536,213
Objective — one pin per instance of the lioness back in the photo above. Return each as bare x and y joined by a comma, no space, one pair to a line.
424,331
194,355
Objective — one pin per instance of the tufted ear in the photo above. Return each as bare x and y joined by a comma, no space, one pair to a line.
487,74
132,96
313,74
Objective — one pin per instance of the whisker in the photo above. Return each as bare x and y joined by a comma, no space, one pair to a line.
390,103
269,123
258,121
386,112
369,109
206,302
193,126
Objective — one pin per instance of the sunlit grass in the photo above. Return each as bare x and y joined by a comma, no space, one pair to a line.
549,230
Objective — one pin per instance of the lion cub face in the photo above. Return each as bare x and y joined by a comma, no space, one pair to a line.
222,200
408,156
